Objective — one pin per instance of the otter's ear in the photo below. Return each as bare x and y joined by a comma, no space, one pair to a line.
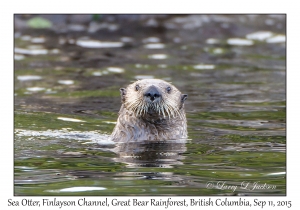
183,97
123,92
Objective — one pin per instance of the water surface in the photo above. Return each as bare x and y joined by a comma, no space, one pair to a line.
67,100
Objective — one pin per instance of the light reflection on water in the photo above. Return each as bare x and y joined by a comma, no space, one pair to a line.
158,56
67,134
29,77
31,51
239,41
235,111
259,35
66,82
204,66
154,46
276,39
98,44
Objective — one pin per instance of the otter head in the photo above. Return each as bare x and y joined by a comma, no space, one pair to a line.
153,97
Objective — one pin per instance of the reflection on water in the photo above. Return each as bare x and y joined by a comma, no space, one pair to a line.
158,56
98,44
239,41
204,66
259,35
67,97
77,189
150,154
276,39
66,133
29,77
154,46
31,51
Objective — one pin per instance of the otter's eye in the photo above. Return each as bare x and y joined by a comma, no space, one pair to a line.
137,87
168,89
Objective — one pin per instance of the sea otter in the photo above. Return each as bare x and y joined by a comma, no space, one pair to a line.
152,109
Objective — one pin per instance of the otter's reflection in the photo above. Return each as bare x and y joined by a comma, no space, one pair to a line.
151,154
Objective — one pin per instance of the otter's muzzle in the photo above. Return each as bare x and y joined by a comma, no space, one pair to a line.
152,93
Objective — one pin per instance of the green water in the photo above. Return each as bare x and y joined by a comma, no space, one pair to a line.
236,112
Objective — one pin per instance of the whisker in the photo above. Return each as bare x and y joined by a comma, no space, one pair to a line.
165,107
167,110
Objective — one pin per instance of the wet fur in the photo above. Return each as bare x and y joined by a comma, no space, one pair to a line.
137,121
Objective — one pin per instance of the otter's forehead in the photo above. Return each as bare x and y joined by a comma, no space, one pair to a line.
152,82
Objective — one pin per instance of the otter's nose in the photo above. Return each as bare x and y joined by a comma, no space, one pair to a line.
152,93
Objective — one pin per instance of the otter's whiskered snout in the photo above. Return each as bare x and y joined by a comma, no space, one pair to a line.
152,94
153,98
152,109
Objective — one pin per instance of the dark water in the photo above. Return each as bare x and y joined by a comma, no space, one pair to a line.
67,98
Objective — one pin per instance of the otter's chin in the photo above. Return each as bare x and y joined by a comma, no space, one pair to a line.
152,111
